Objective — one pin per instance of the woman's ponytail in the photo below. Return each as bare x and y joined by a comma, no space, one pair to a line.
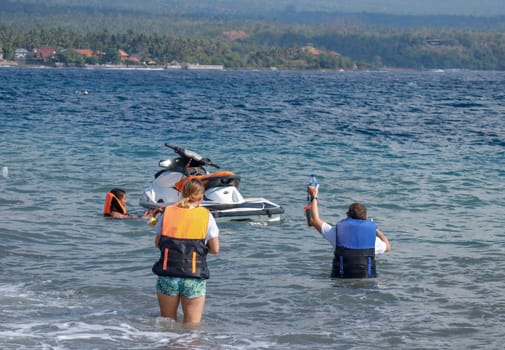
192,192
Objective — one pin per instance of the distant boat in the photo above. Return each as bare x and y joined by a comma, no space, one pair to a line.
191,66
203,66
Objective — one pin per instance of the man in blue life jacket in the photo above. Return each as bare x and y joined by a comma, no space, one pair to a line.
355,239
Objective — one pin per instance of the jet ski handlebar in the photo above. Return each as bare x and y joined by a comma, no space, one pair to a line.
192,156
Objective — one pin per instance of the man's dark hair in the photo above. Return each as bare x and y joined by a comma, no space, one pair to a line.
357,211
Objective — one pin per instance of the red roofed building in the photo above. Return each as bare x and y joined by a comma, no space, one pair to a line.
123,54
134,59
87,53
44,52
311,50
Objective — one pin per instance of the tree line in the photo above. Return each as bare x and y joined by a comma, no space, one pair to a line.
163,49
265,46
416,49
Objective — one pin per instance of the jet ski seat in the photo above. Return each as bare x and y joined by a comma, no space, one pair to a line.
219,179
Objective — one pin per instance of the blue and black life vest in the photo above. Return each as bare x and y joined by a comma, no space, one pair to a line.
354,255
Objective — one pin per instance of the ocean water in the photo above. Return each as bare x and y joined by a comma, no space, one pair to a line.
425,151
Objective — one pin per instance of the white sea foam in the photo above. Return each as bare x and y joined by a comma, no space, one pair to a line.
72,331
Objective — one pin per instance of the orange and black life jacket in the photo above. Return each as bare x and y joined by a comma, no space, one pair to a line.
112,203
182,243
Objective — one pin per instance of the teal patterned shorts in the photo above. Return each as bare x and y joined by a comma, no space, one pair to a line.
187,287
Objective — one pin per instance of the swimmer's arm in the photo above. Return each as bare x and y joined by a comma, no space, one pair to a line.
151,213
117,215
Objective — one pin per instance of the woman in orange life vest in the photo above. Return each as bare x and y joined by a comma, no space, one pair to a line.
115,204
186,232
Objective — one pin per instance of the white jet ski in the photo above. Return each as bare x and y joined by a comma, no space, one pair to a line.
221,197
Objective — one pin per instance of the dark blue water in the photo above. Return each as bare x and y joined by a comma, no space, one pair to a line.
425,151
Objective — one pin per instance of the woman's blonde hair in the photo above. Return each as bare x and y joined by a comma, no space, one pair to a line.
192,192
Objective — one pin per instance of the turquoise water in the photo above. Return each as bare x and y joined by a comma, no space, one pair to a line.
424,151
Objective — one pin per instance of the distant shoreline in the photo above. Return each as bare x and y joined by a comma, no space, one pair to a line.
186,66
14,64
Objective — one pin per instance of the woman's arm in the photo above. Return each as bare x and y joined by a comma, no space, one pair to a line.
213,245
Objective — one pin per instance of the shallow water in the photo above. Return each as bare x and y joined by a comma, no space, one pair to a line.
423,150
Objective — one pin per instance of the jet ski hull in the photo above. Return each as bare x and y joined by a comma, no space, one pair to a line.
251,209
258,209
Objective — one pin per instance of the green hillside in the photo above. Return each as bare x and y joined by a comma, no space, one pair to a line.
259,34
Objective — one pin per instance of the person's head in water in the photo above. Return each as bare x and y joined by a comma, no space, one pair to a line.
357,211
119,193
115,204
192,193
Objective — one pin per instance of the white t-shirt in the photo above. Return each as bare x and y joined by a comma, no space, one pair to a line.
330,233
212,229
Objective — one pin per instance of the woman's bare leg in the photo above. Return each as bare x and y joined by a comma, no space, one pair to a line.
193,309
168,305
